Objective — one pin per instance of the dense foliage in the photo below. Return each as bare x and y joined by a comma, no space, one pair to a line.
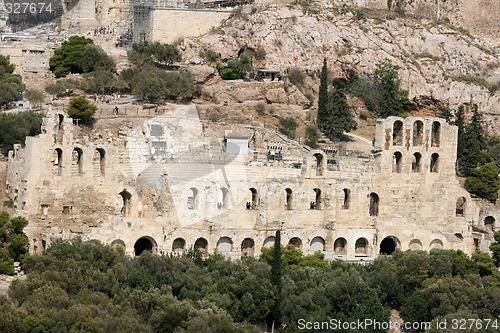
484,181
79,55
13,242
381,93
81,108
235,69
16,127
153,53
89,287
11,85
334,113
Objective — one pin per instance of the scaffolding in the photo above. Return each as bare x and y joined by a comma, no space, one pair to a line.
141,13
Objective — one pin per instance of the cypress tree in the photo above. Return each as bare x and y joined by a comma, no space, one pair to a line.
339,118
471,141
323,96
276,276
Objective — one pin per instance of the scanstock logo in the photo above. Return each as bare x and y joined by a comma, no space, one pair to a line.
24,14
175,160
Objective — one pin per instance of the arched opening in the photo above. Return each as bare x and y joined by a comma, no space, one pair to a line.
223,198
415,244
201,245
340,246
178,245
192,201
347,199
315,203
374,203
269,241
388,245
319,164
436,134
489,223
252,204
247,247
296,241
118,243
397,159
126,198
317,244
76,162
418,133
288,199
57,162
434,167
144,244
416,164
60,121
460,207
361,246
397,133
224,245
436,244
99,161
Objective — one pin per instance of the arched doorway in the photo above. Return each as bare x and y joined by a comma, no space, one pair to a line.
201,244
388,245
296,241
144,244
247,247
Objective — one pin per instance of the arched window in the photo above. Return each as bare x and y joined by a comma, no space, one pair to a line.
192,201
436,244
57,162
397,159
397,133
76,162
374,203
319,164
340,246
317,244
247,247
178,245
201,245
361,246
296,241
460,207
347,199
222,203
389,245
316,202
416,164
225,244
252,204
418,133
434,167
436,134
415,244
99,160
269,241
288,199
126,198
489,223
144,244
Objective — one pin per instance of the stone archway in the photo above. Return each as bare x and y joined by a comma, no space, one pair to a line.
144,244
388,245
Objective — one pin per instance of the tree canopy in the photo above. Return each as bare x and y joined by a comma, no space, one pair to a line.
16,127
13,242
79,55
81,108
11,85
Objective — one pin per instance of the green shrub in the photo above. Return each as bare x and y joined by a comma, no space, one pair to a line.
312,136
209,55
484,181
9,203
80,108
478,81
288,126
363,115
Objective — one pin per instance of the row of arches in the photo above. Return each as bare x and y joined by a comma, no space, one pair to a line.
99,157
416,164
247,247
418,133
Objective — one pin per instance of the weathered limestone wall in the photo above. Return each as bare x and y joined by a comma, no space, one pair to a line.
116,188
172,24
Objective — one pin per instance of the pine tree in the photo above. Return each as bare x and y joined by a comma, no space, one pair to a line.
323,96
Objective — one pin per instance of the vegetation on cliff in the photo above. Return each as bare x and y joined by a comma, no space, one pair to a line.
13,242
11,85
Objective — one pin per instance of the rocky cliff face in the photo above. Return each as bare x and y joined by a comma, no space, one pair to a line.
434,59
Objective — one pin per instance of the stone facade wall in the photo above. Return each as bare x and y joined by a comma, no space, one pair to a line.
115,188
